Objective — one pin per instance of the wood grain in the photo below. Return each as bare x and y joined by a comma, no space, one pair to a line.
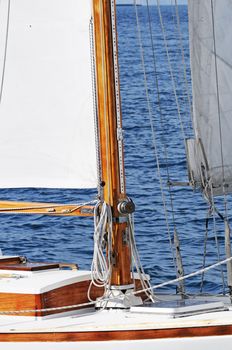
10,261
29,266
190,332
51,209
73,294
108,124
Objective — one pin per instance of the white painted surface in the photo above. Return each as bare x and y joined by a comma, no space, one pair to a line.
27,282
36,282
111,320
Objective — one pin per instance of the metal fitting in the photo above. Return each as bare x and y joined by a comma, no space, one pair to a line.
126,207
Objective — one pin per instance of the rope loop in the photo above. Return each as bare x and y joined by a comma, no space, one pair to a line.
101,263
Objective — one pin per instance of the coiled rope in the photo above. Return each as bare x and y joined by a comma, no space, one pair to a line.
101,263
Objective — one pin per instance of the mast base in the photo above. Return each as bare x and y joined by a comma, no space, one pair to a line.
118,299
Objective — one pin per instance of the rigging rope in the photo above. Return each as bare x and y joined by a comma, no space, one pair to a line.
178,262
170,69
153,130
172,246
208,194
205,248
190,275
136,260
149,289
217,244
101,264
101,267
183,65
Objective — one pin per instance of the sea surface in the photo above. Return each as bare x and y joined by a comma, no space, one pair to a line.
71,239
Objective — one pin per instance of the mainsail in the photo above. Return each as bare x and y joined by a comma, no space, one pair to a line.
46,111
210,156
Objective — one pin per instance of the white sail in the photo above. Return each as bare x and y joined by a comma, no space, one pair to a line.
46,110
211,66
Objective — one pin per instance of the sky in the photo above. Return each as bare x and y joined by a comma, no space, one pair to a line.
162,2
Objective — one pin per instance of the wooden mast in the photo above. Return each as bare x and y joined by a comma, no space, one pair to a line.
110,136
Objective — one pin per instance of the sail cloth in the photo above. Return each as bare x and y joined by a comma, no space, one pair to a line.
210,156
47,134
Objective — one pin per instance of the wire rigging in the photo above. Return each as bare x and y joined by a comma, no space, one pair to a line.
154,61
170,68
154,141
208,194
148,289
145,283
183,65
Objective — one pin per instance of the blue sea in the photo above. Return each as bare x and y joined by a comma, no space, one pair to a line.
71,239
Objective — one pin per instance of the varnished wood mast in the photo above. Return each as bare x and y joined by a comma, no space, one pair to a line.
109,147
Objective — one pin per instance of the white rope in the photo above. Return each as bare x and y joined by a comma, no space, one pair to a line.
15,312
101,263
190,275
149,289
136,260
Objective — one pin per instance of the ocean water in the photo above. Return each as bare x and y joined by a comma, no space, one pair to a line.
70,239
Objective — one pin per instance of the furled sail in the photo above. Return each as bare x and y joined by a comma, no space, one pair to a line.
47,136
210,154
